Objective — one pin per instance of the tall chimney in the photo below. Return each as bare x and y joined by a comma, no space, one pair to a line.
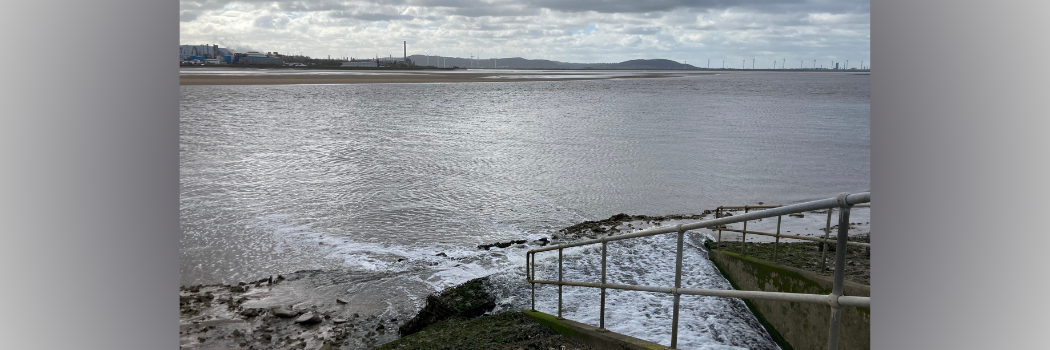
406,52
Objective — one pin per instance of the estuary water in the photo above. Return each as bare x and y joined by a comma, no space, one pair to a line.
382,178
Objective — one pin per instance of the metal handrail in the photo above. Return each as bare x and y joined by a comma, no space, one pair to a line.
835,300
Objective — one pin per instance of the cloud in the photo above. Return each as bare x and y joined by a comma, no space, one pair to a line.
276,21
596,30
187,16
370,16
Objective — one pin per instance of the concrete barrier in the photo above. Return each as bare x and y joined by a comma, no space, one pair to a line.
799,326
592,335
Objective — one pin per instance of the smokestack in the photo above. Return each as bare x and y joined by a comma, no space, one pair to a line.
406,52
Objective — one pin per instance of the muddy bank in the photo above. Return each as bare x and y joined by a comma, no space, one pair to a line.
284,312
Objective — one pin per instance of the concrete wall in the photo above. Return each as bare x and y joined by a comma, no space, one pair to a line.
802,325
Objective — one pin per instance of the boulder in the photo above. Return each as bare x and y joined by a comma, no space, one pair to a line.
467,300
341,301
284,312
308,318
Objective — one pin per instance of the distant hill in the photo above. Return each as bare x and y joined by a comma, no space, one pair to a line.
524,63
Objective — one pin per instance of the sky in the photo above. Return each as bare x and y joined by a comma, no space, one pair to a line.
736,32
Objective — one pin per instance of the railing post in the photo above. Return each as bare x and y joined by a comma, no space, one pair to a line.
677,284
777,243
840,273
532,277
743,237
559,284
718,214
824,243
601,319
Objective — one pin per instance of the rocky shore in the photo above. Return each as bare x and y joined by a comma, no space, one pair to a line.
220,317
254,315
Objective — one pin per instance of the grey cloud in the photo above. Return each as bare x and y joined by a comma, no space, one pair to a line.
377,17
272,22
641,31
477,8
187,16
495,11
633,6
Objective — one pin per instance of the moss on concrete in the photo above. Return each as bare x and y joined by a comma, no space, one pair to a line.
803,325
777,337
807,256
504,331
550,321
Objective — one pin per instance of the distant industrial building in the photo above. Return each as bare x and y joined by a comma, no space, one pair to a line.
249,60
188,52
368,63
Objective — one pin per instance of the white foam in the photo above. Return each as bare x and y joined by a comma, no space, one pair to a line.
704,323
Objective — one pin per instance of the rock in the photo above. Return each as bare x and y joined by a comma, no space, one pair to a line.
441,255
283,312
501,244
380,327
797,215
308,318
239,289
467,300
339,321
341,301
250,313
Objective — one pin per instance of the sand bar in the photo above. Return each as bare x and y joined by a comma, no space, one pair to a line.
187,78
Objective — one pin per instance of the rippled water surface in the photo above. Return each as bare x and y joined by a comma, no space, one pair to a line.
276,179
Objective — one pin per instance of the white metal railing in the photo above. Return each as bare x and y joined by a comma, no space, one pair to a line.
835,300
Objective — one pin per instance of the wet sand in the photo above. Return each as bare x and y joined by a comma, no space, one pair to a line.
421,77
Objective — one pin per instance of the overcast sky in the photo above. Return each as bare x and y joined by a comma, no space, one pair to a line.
593,31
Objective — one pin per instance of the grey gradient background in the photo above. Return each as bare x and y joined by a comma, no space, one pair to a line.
90,177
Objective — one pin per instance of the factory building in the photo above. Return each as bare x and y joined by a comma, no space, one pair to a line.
368,63
186,52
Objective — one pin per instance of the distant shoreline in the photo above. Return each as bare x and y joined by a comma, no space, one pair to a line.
408,77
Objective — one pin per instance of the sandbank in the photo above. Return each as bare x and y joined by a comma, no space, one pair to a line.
398,77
